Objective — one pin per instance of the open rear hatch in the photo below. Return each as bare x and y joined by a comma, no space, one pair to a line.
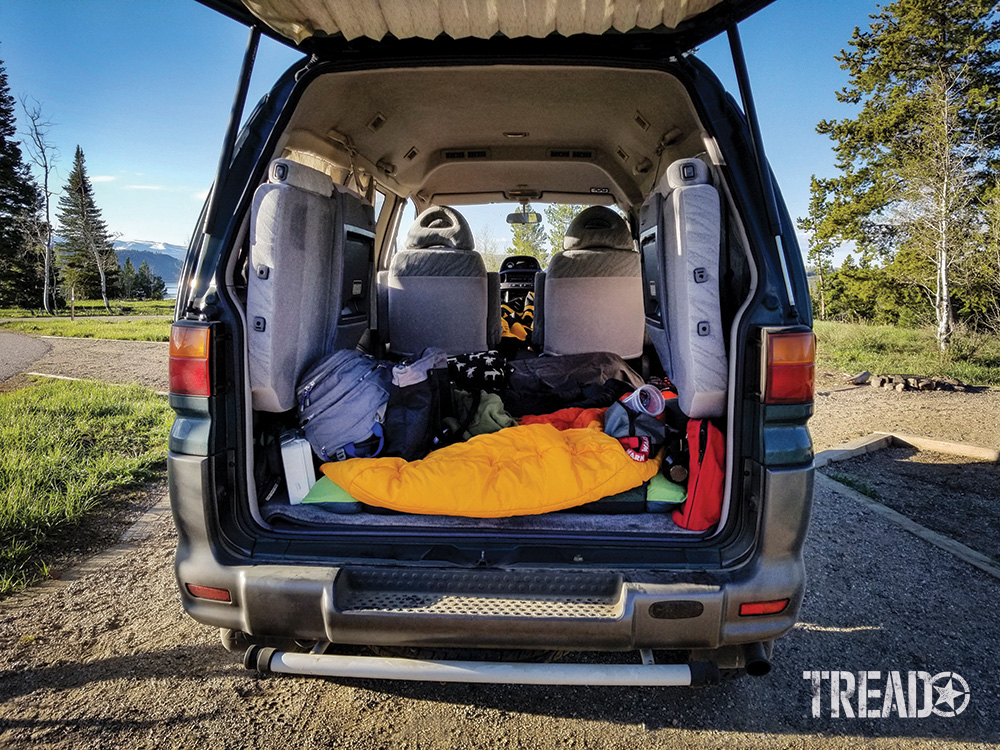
680,24
686,23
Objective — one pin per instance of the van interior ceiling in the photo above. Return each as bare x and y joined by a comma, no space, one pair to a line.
474,136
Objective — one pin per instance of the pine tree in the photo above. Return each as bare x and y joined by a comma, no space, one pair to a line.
148,284
528,239
926,74
128,282
19,203
558,217
86,247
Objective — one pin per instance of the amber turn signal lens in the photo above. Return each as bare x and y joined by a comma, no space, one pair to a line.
189,342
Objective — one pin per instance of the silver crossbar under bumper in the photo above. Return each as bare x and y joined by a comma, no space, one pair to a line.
507,673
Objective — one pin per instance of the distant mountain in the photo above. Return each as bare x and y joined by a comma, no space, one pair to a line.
164,262
179,252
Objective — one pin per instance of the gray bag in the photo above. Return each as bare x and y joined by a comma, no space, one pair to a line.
342,400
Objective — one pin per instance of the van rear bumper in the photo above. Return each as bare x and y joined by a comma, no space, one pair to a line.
539,608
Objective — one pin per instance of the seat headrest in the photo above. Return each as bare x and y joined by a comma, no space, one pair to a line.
598,227
440,226
684,172
287,172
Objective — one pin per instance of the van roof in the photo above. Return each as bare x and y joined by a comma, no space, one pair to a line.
687,22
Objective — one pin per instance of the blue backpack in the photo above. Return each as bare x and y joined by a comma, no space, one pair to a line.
341,405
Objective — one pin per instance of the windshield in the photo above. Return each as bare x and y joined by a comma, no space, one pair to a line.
496,238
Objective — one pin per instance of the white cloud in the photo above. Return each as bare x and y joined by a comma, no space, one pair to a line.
201,195
102,178
145,187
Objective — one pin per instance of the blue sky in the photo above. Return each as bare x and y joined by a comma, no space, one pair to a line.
145,87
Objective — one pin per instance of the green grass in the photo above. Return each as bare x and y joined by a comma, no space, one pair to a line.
851,347
140,329
66,449
854,483
91,308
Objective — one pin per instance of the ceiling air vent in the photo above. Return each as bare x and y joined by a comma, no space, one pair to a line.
411,154
583,154
621,154
376,122
454,154
641,121
477,154
557,153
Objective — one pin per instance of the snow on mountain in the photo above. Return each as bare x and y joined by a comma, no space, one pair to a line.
178,252
164,259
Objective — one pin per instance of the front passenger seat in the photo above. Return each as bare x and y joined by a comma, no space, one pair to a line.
590,297
437,291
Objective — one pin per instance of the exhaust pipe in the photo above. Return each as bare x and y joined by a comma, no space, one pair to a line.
367,667
757,662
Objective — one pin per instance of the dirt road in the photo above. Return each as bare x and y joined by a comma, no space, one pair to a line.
109,660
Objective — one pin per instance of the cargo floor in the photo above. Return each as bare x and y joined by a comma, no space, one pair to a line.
283,514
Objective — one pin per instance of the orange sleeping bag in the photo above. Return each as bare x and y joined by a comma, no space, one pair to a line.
518,471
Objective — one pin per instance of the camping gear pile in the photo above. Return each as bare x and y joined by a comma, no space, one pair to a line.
479,436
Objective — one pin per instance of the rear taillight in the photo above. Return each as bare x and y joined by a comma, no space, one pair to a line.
189,370
790,367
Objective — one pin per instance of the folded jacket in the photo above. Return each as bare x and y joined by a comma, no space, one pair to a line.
489,416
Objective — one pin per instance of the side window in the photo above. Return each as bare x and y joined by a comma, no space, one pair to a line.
407,214
379,203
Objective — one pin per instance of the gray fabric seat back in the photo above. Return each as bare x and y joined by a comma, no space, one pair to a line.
311,248
438,291
680,236
591,292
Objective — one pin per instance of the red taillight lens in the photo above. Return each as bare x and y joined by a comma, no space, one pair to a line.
189,371
208,592
763,608
791,369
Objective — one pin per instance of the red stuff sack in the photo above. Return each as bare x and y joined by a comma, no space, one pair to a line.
703,506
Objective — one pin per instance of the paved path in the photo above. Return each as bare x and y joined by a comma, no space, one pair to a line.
17,352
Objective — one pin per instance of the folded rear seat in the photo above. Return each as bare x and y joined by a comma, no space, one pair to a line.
679,237
311,255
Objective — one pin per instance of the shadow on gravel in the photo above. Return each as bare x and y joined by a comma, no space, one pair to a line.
95,729
953,495
878,599
771,706
172,663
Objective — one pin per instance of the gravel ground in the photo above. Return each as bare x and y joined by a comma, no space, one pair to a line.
953,495
105,658
844,412
143,362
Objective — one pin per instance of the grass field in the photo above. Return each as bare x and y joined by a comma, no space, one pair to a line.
66,449
136,329
973,358
92,308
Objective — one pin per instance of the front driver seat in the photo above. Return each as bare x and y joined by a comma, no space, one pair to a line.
590,297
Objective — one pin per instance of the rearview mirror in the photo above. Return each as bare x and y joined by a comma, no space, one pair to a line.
528,218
